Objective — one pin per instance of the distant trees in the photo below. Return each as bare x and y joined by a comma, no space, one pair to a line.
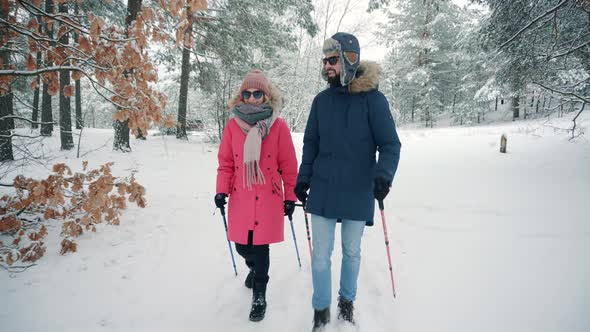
446,60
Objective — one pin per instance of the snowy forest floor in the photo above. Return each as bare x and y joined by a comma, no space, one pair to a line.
480,241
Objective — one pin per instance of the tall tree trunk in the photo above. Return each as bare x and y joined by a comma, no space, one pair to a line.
496,107
184,75
515,107
65,107
121,140
79,118
413,107
46,108
5,97
36,93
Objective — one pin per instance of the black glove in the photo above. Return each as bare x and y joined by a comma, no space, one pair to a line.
220,200
289,208
301,191
381,188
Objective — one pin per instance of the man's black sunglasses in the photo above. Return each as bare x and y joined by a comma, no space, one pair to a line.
257,94
332,60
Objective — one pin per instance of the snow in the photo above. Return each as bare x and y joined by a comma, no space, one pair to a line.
480,241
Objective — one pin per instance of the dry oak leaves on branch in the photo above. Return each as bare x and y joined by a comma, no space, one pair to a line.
78,201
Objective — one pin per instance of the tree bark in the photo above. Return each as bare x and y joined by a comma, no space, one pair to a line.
79,117
515,107
46,108
184,76
121,140
6,107
36,93
65,107
496,106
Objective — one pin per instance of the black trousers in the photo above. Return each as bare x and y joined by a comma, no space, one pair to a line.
257,258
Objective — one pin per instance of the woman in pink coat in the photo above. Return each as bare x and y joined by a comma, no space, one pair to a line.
257,170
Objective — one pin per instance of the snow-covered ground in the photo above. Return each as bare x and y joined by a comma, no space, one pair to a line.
480,241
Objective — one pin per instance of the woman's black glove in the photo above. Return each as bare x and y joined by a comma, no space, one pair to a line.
289,208
381,188
301,191
220,200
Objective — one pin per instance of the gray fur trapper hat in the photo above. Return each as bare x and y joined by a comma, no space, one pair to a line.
346,46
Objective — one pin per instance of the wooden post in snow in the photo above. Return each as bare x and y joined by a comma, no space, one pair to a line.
503,142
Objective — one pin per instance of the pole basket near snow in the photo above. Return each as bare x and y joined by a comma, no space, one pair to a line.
382,208
295,241
306,229
222,209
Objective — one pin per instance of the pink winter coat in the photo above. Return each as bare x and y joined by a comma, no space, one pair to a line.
260,208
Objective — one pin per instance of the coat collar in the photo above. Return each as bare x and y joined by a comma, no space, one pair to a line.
367,78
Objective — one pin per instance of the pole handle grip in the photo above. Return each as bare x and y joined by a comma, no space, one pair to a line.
381,206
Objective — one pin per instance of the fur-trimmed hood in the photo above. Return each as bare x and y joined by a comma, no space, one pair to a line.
275,99
367,77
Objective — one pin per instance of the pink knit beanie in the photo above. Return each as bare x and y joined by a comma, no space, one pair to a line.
255,80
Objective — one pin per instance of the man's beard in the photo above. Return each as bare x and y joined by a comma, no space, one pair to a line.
334,80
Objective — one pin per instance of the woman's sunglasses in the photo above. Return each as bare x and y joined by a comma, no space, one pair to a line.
257,94
331,60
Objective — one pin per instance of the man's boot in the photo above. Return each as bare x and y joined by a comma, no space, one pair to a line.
320,319
249,282
345,310
258,302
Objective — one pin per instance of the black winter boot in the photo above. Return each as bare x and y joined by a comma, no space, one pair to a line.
258,302
249,282
320,319
345,310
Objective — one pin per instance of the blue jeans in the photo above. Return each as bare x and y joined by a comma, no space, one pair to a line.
321,265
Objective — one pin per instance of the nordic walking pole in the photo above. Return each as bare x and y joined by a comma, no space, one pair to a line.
295,241
228,241
306,228
382,208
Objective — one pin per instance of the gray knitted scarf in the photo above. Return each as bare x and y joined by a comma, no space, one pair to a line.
255,121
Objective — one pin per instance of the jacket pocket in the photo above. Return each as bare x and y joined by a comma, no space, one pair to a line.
277,188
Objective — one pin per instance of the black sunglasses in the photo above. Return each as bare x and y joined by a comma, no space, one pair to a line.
332,60
257,94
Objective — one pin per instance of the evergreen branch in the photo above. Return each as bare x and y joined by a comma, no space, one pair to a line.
565,93
556,7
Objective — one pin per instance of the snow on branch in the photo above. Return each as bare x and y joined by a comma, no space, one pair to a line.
531,23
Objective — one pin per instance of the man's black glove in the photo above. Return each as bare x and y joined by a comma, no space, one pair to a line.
289,208
301,191
381,188
220,200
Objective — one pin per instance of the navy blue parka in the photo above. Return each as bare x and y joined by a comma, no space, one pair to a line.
347,125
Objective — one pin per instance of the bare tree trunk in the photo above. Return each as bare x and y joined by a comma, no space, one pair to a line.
79,117
413,107
515,107
46,107
36,93
184,76
496,106
65,107
6,107
121,140
329,12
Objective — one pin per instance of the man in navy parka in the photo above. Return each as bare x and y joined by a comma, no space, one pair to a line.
349,122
